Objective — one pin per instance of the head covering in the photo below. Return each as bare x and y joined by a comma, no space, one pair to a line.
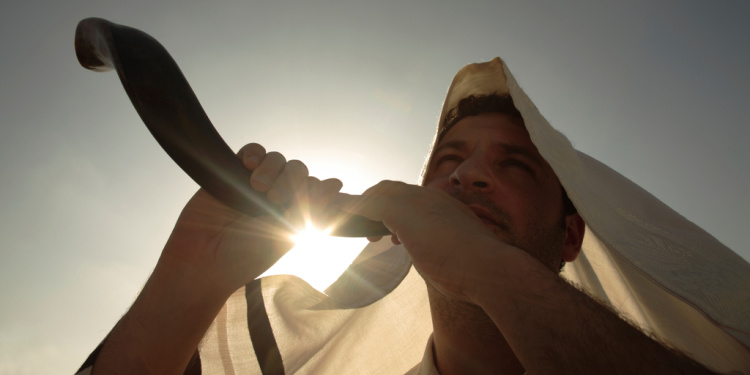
652,265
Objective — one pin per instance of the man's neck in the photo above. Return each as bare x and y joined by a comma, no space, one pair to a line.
466,340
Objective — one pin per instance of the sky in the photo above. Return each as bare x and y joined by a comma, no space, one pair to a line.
659,91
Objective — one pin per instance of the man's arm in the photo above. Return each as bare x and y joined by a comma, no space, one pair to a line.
162,329
555,328
550,325
212,251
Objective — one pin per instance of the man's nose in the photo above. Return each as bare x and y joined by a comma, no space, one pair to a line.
472,173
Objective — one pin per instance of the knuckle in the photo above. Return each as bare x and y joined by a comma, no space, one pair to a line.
334,183
276,156
252,149
298,167
389,187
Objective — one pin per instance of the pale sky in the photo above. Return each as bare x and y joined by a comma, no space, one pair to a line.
659,91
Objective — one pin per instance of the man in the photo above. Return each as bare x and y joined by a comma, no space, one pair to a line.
497,305
487,232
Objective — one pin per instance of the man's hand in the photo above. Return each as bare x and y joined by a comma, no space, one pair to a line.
526,301
228,249
212,252
447,241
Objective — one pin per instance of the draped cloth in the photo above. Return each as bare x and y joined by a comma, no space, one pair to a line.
659,270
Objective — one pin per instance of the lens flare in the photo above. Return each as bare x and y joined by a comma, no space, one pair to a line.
317,257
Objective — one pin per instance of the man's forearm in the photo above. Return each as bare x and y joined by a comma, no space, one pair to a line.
555,328
162,329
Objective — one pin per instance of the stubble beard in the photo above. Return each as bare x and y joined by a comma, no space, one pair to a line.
543,242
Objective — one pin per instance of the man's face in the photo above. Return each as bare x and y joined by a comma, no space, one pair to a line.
489,162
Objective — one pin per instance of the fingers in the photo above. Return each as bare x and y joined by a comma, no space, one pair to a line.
287,182
319,193
376,202
269,169
394,239
251,155
311,201
272,173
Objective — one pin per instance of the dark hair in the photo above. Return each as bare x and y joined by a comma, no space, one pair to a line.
473,105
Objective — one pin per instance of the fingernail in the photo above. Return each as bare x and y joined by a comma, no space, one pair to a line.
252,160
263,182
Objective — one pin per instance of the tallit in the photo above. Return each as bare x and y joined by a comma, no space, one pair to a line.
654,266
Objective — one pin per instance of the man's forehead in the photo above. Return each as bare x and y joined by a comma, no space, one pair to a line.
444,129
500,146
507,134
496,125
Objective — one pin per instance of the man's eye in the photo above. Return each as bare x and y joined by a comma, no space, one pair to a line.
517,163
445,158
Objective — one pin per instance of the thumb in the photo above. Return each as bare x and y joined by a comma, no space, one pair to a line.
370,206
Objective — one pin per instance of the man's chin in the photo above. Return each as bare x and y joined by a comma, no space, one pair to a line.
500,233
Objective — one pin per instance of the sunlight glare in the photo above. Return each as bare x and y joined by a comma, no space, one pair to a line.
317,257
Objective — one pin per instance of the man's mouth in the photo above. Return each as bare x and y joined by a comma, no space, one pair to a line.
485,209
485,215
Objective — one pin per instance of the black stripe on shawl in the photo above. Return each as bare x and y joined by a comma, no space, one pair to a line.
194,366
261,334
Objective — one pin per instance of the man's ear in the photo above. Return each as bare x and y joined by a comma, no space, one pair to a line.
574,229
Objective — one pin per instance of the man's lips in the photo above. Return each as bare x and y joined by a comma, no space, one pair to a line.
484,214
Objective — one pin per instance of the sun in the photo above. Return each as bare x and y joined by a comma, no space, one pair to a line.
317,257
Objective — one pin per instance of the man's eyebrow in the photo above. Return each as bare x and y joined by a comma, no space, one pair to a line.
453,145
503,147
519,150
506,148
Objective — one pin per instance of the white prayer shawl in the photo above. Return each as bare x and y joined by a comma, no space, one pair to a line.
655,267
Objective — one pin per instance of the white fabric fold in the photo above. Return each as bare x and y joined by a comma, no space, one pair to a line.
654,266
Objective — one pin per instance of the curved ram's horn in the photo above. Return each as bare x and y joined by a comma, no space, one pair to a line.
171,111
